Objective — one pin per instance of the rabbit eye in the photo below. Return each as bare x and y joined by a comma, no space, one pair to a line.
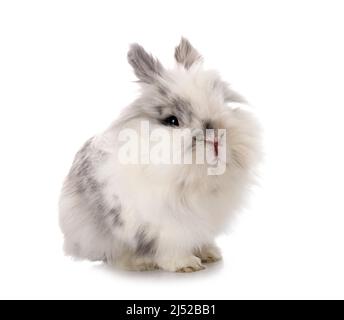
171,121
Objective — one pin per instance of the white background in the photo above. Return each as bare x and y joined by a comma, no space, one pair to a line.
64,77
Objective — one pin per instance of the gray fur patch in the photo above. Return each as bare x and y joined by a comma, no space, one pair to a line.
115,216
182,109
159,109
145,66
81,180
186,54
176,106
144,246
163,91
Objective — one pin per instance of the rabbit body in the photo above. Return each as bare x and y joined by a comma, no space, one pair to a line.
145,215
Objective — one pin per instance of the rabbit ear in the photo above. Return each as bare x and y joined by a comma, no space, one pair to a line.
145,66
186,54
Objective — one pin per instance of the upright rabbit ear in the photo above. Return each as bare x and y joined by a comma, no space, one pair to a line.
145,66
186,54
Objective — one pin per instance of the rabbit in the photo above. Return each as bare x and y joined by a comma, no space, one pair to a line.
144,215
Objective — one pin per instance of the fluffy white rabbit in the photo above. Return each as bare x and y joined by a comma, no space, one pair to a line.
143,215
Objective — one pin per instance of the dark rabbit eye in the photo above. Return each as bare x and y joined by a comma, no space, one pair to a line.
171,121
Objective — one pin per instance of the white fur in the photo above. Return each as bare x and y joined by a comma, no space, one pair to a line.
180,207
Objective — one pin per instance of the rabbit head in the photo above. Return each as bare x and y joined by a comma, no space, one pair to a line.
189,97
